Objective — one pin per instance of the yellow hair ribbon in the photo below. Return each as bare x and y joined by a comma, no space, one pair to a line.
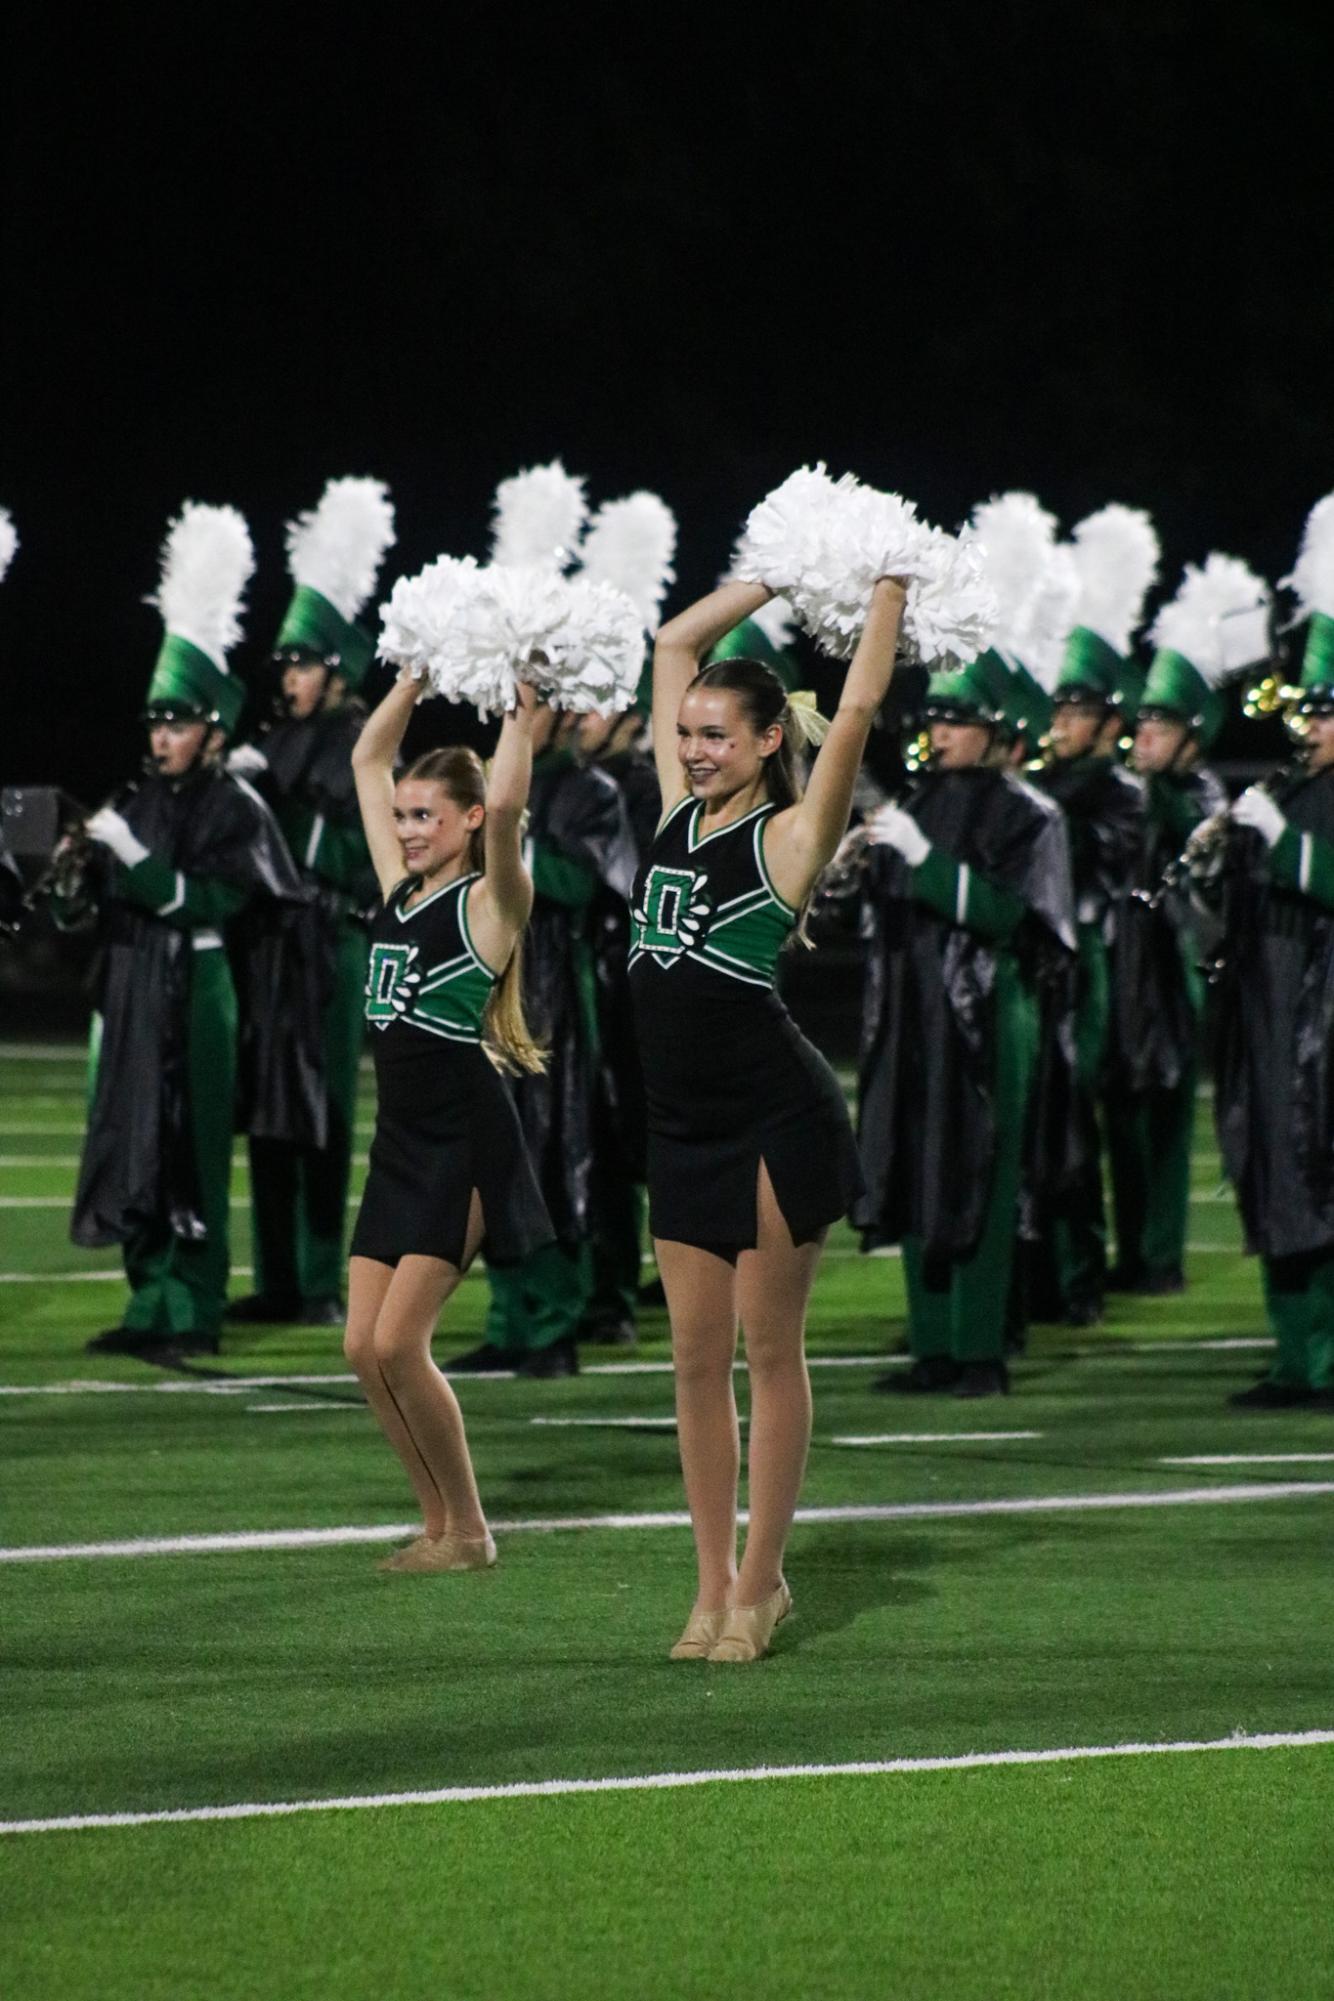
809,724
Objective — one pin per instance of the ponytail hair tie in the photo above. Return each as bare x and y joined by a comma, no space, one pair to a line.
808,724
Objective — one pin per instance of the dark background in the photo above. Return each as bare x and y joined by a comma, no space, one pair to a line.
1085,250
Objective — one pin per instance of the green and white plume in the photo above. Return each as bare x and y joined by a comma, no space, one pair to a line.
334,552
1312,581
630,544
1215,626
539,515
207,561
1116,554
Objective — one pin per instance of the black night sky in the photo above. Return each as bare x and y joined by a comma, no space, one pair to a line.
1083,250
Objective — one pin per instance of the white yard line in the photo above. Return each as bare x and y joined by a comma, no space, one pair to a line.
43,1052
212,1386
1252,1459
615,1423
236,1541
934,1437
294,1405
970,1761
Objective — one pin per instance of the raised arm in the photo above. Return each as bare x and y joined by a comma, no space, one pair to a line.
498,906
678,653
804,839
373,769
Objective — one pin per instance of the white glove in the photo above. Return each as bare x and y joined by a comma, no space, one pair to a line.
246,760
108,828
891,827
1255,809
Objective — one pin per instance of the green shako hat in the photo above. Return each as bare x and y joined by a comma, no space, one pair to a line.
207,561
764,636
1217,624
965,693
1115,553
334,552
1017,698
1313,581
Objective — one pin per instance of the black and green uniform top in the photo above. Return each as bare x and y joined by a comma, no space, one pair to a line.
706,903
1274,1067
310,786
425,973
1104,806
214,848
982,928
1157,987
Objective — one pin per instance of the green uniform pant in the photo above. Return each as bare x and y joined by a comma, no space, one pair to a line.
298,1195
539,1301
1148,1146
178,1287
1079,1239
957,1307
1299,1299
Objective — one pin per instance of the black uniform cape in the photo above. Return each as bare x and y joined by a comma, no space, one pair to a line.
929,1020
576,812
1154,1026
138,1160
285,957
1274,1064
1104,808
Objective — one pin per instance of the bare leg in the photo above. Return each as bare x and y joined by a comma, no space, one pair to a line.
773,1289
701,1300
367,1284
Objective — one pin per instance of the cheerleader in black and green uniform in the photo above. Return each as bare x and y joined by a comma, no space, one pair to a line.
448,1168
750,1152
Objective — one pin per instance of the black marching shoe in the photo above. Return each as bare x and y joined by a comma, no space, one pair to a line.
1269,1395
1082,1309
652,1293
1124,1278
608,1333
326,1310
128,1341
928,1374
263,1308
983,1379
560,1359
488,1360
1159,1280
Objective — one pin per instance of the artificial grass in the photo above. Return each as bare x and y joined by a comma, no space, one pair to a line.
1190,1877
162,1682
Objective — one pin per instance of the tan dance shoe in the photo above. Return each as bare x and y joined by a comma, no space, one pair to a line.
703,1630
429,1554
748,1629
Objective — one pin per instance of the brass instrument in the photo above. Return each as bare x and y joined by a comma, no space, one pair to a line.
46,827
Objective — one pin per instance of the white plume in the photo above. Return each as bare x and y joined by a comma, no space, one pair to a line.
951,609
539,515
1017,536
822,543
1218,620
630,544
207,561
1051,616
1313,573
9,540
415,617
777,622
1116,553
337,547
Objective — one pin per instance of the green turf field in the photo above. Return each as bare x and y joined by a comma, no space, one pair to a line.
1073,1583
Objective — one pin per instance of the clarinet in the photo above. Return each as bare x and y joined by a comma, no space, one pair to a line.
65,877
1209,849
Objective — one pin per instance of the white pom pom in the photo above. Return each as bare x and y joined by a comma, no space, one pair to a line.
1313,573
9,540
1116,553
538,517
630,544
822,543
1016,536
1051,615
600,655
207,561
337,547
482,631
951,609
416,617
1218,620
